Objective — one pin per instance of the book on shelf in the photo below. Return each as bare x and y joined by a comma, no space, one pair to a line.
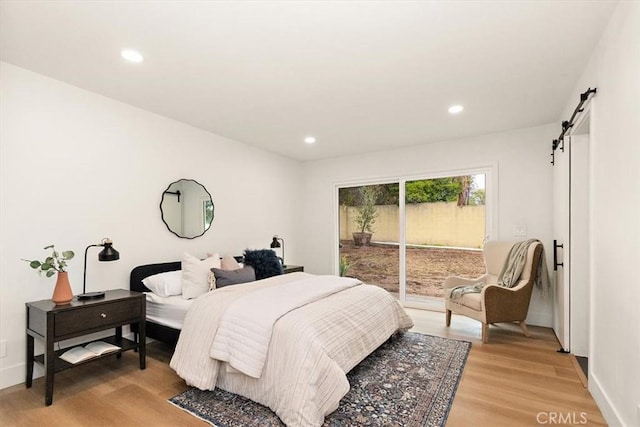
89,351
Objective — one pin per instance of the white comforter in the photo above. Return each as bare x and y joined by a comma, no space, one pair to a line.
243,341
311,346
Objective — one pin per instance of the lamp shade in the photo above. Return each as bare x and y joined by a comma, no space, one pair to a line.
275,243
108,253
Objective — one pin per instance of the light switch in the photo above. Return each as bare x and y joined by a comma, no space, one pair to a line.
520,230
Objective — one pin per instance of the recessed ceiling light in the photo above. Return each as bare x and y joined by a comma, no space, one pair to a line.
455,109
310,140
131,55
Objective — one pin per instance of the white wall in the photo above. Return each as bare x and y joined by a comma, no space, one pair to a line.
524,190
77,167
614,365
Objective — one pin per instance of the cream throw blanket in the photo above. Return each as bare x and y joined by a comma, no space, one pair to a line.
515,262
511,271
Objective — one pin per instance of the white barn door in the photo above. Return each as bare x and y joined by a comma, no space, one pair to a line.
571,235
561,249
580,246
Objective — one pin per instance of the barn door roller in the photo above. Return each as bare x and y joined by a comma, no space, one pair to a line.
568,124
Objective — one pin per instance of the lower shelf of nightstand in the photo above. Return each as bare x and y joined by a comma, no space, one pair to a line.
61,365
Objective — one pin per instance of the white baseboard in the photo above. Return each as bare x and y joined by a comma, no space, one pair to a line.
609,412
13,375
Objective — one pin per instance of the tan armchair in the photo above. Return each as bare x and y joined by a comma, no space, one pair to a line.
495,304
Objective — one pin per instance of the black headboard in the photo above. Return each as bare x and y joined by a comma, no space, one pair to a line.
142,271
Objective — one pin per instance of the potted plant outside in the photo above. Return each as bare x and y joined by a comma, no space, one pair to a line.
56,263
345,265
366,216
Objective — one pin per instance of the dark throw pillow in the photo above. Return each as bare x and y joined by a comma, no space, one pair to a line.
264,261
233,277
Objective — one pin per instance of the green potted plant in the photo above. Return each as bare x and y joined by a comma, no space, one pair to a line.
56,263
345,265
366,216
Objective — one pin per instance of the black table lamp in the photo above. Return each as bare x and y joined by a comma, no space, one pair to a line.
106,254
275,243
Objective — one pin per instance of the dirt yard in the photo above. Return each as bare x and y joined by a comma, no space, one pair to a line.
427,268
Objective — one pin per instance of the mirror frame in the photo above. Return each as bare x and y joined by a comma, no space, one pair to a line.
166,191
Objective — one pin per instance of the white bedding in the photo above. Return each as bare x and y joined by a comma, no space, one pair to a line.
243,341
167,311
310,351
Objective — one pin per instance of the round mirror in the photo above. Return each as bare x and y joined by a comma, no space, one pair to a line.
187,208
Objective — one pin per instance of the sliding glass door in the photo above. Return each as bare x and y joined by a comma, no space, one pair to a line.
444,222
368,227
408,236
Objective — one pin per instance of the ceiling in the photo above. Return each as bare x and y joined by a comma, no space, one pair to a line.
359,76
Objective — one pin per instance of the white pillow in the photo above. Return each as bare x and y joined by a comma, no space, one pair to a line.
230,263
165,284
195,274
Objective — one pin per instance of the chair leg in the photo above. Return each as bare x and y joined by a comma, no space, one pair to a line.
523,326
485,333
448,318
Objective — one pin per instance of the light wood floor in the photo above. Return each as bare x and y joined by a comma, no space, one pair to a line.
507,382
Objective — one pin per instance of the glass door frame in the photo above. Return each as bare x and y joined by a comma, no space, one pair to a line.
491,199
490,171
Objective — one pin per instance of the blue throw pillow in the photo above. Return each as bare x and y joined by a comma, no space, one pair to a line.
265,262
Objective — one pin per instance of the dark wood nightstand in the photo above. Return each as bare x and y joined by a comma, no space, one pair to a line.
293,268
53,323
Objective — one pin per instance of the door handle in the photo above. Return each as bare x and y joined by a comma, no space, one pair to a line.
555,255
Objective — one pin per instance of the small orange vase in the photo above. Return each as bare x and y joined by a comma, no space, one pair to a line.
62,293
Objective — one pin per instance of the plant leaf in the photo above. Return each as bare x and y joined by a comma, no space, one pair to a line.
50,273
48,247
34,264
68,254
45,266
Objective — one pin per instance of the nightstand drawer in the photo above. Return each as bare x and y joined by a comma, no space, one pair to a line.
99,317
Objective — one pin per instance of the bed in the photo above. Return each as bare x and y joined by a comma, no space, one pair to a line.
305,332
164,316
155,328
287,341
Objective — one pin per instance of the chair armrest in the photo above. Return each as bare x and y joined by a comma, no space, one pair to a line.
453,281
506,304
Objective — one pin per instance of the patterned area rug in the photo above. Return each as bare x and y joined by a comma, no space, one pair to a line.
408,381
